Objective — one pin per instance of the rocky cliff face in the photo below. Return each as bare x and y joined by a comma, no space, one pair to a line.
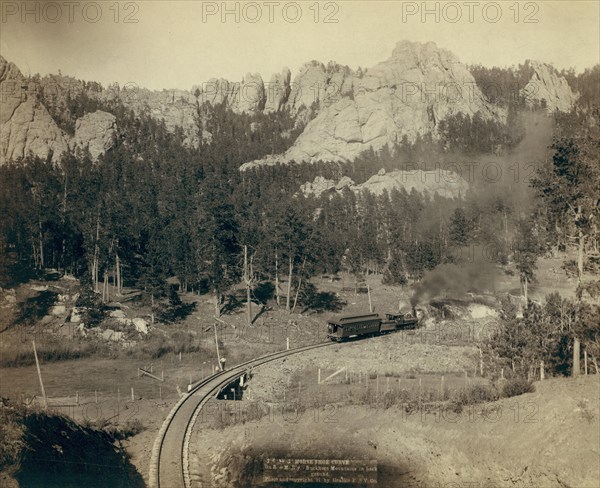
548,89
444,183
278,91
406,95
178,108
25,125
95,131
345,112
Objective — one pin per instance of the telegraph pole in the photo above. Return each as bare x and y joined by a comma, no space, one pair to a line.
37,364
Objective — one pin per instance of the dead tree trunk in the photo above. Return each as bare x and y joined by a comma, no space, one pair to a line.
152,307
299,285
277,279
576,357
118,273
95,264
41,239
217,304
576,342
105,293
289,286
595,364
248,282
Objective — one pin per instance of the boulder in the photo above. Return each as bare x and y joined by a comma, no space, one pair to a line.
117,314
140,325
344,182
75,317
111,335
58,310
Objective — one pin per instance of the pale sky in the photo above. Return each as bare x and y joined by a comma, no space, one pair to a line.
184,43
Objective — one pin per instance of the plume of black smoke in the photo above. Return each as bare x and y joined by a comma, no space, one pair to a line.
455,280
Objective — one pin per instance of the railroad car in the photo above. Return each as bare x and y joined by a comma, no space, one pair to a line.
344,328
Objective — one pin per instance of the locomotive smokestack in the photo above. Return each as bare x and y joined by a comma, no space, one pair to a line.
414,311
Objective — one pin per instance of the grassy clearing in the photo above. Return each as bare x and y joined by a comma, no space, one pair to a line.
17,350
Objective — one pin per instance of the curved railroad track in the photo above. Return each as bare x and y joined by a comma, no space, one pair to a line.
169,467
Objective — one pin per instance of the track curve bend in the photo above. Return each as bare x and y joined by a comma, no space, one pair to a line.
169,463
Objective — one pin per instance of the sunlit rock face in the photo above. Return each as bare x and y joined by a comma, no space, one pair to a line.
406,95
26,127
548,89
95,131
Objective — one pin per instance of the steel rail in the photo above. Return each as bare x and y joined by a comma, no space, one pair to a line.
169,465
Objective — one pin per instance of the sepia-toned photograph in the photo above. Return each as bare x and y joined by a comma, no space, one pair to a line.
299,244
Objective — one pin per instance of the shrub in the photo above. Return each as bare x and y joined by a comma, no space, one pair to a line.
11,433
34,308
517,386
175,310
93,310
473,395
116,432
123,431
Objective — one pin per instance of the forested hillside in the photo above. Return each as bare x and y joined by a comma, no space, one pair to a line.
153,208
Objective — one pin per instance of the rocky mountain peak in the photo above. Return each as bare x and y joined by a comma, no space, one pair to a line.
548,89
9,71
405,95
410,53
25,124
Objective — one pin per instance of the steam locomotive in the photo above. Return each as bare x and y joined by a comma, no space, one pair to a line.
370,325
